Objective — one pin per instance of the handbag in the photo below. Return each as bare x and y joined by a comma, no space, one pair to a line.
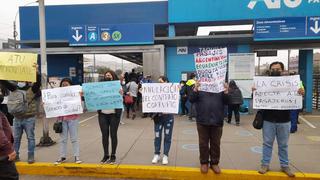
57,127
127,98
258,120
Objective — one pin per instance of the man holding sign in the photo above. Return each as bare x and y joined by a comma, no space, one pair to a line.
276,96
209,97
22,105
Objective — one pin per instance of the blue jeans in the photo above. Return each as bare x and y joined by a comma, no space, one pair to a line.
27,125
294,115
167,126
69,127
270,131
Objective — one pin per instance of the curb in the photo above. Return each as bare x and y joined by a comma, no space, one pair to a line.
146,172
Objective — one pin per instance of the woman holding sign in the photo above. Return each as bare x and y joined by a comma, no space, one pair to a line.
162,122
109,120
70,125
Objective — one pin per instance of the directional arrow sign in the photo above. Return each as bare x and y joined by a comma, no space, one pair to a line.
316,28
77,37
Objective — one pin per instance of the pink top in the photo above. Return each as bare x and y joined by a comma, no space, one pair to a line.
68,117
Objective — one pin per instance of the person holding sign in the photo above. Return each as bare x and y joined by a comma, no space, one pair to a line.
210,115
162,122
276,124
70,124
109,120
22,105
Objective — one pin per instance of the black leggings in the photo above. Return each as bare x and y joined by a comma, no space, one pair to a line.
109,122
8,170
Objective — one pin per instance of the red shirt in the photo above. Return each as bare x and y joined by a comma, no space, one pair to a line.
6,138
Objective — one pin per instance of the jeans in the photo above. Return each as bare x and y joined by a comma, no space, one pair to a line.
27,125
184,108
234,108
294,115
270,131
167,126
209,135
8,170
69,127
109,123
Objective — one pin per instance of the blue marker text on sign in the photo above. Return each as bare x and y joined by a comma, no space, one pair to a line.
103,95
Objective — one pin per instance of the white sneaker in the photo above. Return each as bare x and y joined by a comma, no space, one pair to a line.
155,159
165,160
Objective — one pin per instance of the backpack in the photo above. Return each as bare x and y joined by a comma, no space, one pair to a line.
17,103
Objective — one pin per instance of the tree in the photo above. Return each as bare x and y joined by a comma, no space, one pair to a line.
102,69
118,72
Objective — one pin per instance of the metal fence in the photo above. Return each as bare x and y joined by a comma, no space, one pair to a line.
316,91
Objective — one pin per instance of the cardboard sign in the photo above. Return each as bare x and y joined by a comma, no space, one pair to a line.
103,95
160,97
279,93
18,66
211,67
62,101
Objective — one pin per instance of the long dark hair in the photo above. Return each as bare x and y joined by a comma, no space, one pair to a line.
113,74
233,85
66,80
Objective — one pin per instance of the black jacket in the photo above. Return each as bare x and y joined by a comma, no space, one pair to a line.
209,107
235,96
276,116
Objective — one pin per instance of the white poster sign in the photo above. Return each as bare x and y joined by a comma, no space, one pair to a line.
241,66
62,101
211,67
160,98
279,93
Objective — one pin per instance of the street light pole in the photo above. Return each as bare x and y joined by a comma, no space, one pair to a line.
15,32
45,139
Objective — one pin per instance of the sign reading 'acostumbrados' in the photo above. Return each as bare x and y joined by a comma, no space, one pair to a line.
160,98
62,101
18,66
103,95
211,67
279,93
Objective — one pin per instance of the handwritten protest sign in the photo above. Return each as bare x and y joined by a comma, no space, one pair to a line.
18,66
103,95
160,97
62,101
211,67
277,93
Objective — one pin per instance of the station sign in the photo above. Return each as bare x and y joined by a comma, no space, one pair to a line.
289,28
112,34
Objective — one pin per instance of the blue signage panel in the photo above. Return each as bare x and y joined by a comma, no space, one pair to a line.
288,28
184,11
113,34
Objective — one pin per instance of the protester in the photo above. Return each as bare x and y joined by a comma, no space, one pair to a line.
132,90
235,99
109,120
8,169
276,124
294,114
162,122
183,98
190,85
70,124
209,107
4,93
26,121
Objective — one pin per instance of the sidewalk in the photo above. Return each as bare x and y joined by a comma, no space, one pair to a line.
240,148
